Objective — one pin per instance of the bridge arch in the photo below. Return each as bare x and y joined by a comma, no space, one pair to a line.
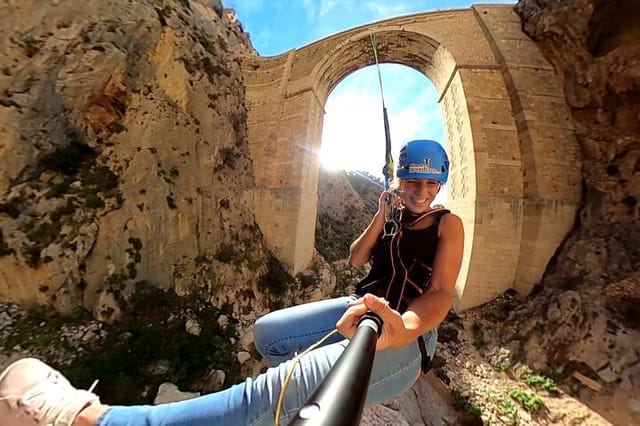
515,177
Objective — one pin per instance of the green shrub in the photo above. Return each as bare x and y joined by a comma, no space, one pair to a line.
478,336
136,243
68,159
11,208
31,254
508,408
276,280
65,210
461,403
152,330
227,158
334,238
101,178
540,382
307,280
171,202
116,127
132,272
31,46
226,253
94,202
530,401
43,234
5,250
59,189
40,329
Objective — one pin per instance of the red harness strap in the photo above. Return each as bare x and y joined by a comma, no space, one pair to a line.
395,290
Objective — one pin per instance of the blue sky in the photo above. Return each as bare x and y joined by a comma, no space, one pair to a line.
353,133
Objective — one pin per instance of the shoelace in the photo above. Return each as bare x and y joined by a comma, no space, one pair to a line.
50,398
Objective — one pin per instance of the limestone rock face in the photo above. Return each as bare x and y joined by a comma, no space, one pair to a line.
123,153
168,392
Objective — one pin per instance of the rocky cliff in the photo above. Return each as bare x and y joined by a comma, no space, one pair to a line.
123,172
583,320
124,155
595,46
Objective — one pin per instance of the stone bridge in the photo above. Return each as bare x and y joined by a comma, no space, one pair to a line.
515,178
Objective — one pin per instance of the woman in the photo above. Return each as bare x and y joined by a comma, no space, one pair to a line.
415,267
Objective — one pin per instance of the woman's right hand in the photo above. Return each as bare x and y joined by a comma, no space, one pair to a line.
384,207
360,250
394,333
382,202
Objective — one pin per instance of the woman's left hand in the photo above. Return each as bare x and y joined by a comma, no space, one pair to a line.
394,332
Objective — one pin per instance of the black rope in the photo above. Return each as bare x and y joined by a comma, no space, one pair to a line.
388,158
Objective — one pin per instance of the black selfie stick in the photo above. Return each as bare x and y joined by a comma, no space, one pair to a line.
339,400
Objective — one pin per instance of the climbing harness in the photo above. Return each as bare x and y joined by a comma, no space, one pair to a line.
407,281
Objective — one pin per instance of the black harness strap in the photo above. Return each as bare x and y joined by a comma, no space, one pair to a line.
425,365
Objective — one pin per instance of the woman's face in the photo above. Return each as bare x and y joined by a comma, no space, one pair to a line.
418,194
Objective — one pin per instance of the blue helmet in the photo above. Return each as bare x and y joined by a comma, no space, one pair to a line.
423,159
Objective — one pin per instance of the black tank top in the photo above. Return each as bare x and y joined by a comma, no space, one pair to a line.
417,251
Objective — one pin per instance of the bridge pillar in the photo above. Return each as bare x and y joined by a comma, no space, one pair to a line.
284,131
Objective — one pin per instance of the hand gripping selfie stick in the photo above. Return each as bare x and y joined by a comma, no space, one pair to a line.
340,398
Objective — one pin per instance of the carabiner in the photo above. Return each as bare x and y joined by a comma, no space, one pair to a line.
393,223
390,228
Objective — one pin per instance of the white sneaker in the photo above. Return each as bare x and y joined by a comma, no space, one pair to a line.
34,394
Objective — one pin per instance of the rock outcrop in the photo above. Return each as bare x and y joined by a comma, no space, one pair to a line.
584,316
124,155
124,170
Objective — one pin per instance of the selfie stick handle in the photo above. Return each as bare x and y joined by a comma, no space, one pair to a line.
340,398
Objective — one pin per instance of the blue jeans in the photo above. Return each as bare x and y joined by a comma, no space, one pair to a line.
278,336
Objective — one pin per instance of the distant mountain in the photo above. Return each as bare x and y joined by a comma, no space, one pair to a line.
347,202
367,186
